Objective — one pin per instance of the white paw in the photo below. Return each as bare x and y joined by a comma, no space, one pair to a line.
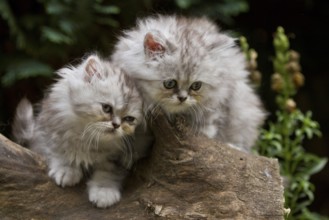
104,197
240,148
210,131
65,175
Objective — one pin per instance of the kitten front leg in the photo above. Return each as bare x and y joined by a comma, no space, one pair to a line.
209,126
209,130
104,187
63,173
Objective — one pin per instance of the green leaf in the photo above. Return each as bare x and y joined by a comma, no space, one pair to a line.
110,9
184,4
55,36
230,7
24,69
6,14
55,8
67,26
319,165
309,133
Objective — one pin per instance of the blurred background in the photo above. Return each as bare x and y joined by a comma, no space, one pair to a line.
40,36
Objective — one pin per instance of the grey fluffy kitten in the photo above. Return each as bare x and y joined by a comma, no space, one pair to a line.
189,66
85,122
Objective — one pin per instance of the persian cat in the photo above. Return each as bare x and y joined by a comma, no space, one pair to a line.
85,123
189,66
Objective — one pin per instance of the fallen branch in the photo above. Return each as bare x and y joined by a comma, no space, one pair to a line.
185,177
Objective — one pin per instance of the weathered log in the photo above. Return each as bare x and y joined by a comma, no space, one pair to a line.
186,177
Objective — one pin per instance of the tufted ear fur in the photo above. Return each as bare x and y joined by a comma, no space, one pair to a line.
153,47
220,42
92,68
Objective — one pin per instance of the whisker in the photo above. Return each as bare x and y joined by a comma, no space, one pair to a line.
86,137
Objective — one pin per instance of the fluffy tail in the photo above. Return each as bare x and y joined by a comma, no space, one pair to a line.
23,126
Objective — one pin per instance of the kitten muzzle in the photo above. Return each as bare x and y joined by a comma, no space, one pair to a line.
116,122
115,125
182,98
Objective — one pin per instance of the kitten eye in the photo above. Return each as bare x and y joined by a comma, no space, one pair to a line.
107,108
129,119
196,85
170,83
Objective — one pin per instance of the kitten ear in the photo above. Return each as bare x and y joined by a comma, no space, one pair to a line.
92,68
152,46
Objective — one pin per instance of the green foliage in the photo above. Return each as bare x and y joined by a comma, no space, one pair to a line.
251,57
45,32
223,10
283,139
21,69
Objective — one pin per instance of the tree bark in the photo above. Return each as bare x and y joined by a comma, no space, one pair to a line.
187,176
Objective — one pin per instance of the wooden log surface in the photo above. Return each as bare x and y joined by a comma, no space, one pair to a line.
187,176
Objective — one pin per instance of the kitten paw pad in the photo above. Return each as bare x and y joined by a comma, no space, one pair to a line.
104,197
66,176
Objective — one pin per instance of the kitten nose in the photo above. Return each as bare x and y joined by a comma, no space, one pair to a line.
182,98
116,122
115,125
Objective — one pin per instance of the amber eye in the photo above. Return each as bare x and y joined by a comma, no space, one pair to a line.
170,83
196,85
129,119
107,108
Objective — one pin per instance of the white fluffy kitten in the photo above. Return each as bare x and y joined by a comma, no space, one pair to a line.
189,66
85,122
